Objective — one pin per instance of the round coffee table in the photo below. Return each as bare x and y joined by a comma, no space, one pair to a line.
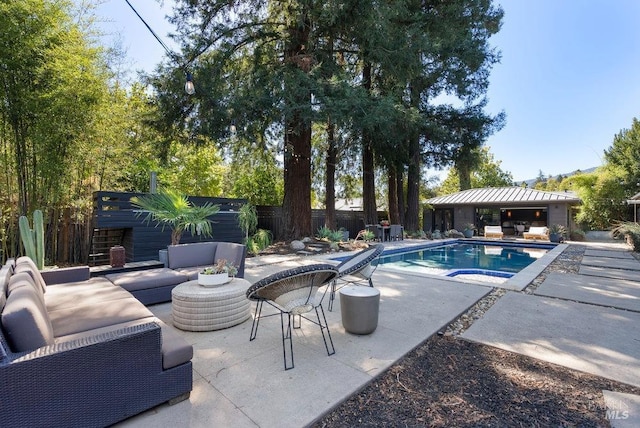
198,308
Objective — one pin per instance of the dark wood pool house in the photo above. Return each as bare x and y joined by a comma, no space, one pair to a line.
514,208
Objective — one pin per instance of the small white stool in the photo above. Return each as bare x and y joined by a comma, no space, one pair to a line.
359,306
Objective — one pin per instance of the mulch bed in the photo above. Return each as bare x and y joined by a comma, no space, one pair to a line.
448,381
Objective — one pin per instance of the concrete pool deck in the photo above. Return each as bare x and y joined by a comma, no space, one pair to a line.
243,384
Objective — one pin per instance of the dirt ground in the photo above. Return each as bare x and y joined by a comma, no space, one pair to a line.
448,381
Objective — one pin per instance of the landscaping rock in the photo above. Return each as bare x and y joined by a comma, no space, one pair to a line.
297,245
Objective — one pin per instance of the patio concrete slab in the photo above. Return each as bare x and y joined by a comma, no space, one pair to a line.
593,339
243,383
607,262
623,410
608,253
610,272
617,293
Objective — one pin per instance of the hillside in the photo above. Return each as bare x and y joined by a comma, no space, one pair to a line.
532,181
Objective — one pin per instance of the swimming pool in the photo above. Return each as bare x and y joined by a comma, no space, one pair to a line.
464,258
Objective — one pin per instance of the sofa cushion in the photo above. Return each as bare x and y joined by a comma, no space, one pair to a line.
144,279
175,350
5,275
66,274
25,264
232,253
24,320
96,315
24,279
191,272
95,290
196,254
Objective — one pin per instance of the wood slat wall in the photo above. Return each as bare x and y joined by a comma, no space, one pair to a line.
113,211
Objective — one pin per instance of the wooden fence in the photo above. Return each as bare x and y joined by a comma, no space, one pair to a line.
67,236
270,218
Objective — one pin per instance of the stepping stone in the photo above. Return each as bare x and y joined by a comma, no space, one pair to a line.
608,253
631,275
611,263
612,292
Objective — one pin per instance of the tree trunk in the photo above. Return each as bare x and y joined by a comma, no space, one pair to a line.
394,213
296,205
413,186
464,175
400,194
330,179
368,178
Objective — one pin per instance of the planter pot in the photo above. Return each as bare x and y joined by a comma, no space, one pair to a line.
468,233
555,237
212,280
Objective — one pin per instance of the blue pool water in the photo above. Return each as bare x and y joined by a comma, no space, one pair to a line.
465,258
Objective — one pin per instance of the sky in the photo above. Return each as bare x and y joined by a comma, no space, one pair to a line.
568,79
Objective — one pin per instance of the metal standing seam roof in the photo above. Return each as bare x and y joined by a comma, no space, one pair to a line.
493,195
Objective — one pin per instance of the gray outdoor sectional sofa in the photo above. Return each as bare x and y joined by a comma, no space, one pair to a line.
81,351
153,286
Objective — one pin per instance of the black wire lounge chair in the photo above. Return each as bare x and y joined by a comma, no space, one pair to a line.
358,268
294,292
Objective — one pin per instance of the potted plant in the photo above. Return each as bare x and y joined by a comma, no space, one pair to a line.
172,209
218,274
469,229
557,233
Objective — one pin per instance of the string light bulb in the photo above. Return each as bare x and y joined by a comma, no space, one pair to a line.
189,87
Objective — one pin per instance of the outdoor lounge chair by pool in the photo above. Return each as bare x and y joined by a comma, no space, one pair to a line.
356,269
294,292
537,233
493,232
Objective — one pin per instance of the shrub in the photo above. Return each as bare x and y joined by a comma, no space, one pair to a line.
324,233
630,231
258,241
577,235
336,236
558,229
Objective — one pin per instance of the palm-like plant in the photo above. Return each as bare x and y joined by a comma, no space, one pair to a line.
247,219
170,208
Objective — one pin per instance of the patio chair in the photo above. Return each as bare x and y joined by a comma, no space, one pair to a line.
541,232
356,269
294,292
396,232
376,229
493,232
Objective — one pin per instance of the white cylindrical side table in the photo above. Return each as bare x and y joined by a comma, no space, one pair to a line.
359,306
198,308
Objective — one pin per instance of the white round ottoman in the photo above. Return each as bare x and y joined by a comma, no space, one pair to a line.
198,308
359,306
